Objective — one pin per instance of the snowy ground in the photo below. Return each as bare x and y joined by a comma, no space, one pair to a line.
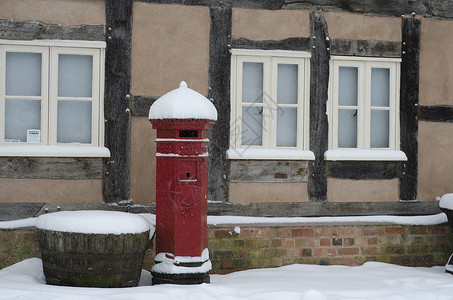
25,280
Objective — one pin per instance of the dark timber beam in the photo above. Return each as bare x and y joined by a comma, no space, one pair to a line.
292,44
409,99
363,170
319,83
394,8
436,113
219,85
116,180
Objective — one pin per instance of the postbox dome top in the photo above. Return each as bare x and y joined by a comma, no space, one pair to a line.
183,103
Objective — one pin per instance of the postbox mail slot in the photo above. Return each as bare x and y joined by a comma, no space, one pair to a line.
188,133
188,171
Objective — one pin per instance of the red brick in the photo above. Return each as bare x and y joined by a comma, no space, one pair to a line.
395,230
348,261
302,232
325,242
276,243
283,232
306,252
372,241
347,231
324,251
227,264
348,251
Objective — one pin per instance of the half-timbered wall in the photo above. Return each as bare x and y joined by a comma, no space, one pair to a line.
154,44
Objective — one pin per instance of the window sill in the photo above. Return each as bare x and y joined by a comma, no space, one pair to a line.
54,151
365,155
269,154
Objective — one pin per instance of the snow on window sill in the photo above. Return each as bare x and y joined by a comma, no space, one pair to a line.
54,151
365,154
269,154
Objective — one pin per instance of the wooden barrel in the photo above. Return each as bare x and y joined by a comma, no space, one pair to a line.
92,259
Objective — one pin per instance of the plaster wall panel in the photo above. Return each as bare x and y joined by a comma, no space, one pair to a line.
436,64
143,161
360,27
65,12
50,190
346,190
170,43
435,160
257,24
245,193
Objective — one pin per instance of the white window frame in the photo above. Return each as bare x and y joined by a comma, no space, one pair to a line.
50,50
269,149
363,151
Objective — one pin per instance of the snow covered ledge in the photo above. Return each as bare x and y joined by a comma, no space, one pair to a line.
365,154
54,151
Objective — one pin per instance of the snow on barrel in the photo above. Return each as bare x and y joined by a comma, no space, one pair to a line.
93,248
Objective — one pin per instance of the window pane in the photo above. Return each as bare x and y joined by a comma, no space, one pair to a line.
380,87
21,115
347,128
379,129
347,86
287,84
75,75
252,82
252,126
23,74
74,122
287,127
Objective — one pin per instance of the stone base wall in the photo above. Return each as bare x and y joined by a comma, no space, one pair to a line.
263,246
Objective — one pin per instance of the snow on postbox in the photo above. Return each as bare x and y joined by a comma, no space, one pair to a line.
182,119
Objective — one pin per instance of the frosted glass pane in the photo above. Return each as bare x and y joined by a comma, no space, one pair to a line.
287,127
74,122
75,75
380,87
287,84
252,126
23,74
379,129
21,115
252,82
347,86
347,128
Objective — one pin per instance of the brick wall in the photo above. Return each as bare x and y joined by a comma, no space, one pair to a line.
17,245
273,246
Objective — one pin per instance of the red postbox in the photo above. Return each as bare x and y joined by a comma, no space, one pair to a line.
182,118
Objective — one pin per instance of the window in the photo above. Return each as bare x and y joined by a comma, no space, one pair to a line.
51,93
269,105
364,107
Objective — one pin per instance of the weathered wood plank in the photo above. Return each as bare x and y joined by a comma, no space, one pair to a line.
219,85
38,30
319,81
268,171
19,210
292,44
365,48
317,209
141,105
51,167
116,183
363,170
409,99
436,113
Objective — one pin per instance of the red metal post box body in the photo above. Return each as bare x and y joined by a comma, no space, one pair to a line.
181,186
